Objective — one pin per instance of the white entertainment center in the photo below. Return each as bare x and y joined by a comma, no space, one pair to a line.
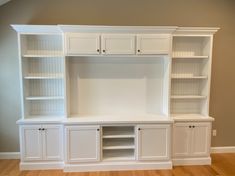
97,98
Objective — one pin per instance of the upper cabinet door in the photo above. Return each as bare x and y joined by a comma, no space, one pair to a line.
153,44
31,142
82,44
153,142
118,44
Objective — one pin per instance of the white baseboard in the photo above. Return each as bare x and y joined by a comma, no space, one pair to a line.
9,155
191,161
229,149
117,166
41,165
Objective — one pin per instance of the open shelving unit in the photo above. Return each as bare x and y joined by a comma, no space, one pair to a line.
42,75
118,143
117,86
190,77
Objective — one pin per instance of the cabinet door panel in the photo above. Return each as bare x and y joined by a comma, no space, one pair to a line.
153,142
118,44
181,140
78,44
153,44
52,142
201,136
83,143
31,142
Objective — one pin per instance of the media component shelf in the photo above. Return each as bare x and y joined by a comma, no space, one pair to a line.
110,97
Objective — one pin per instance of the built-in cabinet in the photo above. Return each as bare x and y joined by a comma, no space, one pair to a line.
191,139
117,44
41,142
114,98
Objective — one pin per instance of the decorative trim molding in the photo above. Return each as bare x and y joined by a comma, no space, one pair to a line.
227,149
9,155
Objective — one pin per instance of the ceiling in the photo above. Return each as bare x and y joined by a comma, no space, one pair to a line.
3,2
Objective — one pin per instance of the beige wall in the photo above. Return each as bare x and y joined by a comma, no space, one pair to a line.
208,13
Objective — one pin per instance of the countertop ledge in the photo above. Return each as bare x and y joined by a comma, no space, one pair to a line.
116,119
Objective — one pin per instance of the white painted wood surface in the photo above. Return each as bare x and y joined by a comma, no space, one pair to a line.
82,143
153,142
191,139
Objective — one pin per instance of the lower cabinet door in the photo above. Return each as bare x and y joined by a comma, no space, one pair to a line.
83,143
31,142
52,142
201,136
153,142
181,140
191,139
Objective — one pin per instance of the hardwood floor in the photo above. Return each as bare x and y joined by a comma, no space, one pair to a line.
222,165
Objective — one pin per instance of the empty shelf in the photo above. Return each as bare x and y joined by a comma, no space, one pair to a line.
190,57
187,77
118,155
188,97
44,76
116,143
45,98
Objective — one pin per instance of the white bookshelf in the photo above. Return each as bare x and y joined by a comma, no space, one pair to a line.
42,75
190,77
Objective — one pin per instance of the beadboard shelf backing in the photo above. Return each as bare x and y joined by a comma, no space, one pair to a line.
186,46
190,83
42,75
47,45
43,66
48,107
117,85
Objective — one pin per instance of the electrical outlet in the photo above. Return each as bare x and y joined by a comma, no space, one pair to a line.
214,132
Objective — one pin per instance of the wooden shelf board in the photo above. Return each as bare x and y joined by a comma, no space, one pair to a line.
44,76
45,98
188,77
190,57
118,147
187,97
127,158
118,136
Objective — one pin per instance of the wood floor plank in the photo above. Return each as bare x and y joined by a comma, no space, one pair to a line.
222,165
